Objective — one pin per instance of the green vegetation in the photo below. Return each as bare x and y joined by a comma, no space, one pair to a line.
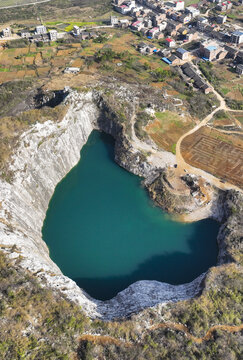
142,119
161,74
38,324
18,43
12,93
75,10
199,103
173,148
82,24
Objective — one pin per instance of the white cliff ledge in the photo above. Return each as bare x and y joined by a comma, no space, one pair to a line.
46,153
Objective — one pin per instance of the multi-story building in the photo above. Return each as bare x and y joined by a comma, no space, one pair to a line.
210,50
76,30
182,53
170,42
25,34
221,19
53,35
193,11
7,32
40,29
237,37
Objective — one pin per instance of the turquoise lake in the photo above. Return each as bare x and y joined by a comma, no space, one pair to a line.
104,232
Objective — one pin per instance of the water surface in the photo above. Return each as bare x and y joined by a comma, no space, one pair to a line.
104,232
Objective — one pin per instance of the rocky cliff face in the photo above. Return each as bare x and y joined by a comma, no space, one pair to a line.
46,153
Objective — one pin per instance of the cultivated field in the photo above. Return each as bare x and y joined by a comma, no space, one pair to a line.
167,128
227,120
215,152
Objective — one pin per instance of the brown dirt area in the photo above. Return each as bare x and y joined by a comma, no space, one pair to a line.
167,128
219,154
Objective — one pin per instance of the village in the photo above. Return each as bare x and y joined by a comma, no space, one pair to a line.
181,36
175,25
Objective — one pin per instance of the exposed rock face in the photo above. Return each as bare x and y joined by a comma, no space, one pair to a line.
46,153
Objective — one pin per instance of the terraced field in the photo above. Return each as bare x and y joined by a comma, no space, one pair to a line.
215,152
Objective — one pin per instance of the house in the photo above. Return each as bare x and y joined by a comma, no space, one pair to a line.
162,26
210,50
151,49
76,30
221,19
148,23
72,70
190,72
92,35
185,18
152,32
183,31
239,69
206,88
25,34
173,25
193,11
39,37
174,60
159,35
124,23
170,42
114,20
157,19
7,32
226,5
232,52
53,35
40,29
84,35
182,53
239,57
237,37
177,5
137,25
191,35
201,21
142,47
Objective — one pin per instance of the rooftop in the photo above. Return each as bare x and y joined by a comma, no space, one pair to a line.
181,50
211,47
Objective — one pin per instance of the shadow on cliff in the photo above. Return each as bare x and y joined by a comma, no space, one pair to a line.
173,268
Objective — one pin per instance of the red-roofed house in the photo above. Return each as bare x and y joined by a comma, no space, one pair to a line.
137,25
170,42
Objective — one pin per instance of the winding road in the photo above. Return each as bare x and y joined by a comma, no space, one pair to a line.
183,165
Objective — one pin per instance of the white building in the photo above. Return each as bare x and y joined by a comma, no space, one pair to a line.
76,30
179,5
7,32
72,70
193,11
40,29
237,37
53,35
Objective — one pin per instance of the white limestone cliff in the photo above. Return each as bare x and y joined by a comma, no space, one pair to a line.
46,153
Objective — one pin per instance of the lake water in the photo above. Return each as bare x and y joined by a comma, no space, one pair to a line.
104,232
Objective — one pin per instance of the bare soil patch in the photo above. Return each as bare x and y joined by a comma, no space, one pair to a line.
215,152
